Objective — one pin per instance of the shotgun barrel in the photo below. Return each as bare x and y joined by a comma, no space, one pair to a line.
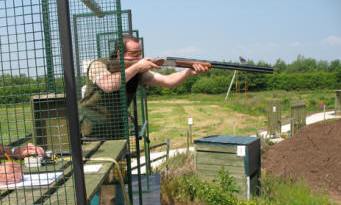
187,63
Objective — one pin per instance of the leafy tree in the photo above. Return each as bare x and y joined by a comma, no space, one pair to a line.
280,65
302,64
322,65
335,65
338,79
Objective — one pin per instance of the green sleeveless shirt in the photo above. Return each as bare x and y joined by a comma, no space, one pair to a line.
101,114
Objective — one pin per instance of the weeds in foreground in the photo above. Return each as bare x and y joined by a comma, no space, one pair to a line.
280,191
190,188
181,185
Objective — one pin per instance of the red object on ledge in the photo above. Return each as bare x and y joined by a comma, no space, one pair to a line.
10,173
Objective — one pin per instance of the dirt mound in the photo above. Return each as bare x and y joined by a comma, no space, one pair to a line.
313,154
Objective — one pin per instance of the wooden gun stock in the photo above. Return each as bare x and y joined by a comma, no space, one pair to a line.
189,63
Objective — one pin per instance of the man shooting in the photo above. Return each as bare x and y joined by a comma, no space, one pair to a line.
99,114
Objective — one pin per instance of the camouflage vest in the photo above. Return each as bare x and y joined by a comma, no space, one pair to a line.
101,114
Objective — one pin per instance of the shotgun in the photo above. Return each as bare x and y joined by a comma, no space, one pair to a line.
188,63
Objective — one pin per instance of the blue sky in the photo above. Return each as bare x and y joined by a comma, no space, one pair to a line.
224,29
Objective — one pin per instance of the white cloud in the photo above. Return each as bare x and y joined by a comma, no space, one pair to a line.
182,52
332,40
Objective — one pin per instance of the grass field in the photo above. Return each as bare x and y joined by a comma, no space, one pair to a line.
15,122
242,114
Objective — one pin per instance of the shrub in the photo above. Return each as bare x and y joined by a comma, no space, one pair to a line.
190,187
211,85
279,191
302,81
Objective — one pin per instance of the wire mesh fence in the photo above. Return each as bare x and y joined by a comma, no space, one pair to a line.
36,162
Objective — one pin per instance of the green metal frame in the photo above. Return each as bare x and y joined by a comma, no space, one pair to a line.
144,131
49,70
76,34
48,46
110,41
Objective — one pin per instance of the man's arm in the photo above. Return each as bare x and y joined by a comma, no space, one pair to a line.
110,82
174,79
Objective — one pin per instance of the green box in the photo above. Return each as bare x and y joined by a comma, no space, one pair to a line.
50,129
239,155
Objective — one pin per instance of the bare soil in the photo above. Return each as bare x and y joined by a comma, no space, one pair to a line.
313,154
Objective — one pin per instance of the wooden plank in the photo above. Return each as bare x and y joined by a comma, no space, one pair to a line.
22,196
205,174
239,180
216,148
112,149
219,159
208,174
64,162
29,196
216,168
58,166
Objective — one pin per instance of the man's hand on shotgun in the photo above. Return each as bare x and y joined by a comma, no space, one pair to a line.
199,68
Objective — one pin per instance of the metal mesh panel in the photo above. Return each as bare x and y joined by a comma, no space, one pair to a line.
34,133
106,41
88,29
298,116
29,113
274,118
338,102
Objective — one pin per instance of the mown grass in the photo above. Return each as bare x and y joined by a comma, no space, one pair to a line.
242,114
15,122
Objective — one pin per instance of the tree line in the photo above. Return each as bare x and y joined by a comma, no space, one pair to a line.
301,74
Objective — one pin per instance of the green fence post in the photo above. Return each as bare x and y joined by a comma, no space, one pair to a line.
48,46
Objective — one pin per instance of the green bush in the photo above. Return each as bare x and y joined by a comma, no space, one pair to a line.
183,186
302,81
274,191
192,188
211,85
218,83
